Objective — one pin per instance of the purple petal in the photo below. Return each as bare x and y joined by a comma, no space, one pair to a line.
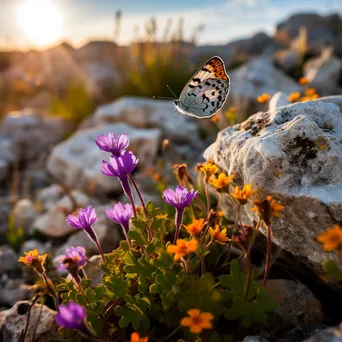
73,221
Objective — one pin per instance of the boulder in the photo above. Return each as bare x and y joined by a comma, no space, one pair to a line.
327,335
13,321
24,213
324,73
8,259
255,78
13,290
76,161
292,153
53,223
143,113
279,99
288,60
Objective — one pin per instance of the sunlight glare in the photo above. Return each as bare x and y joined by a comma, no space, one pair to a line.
40,20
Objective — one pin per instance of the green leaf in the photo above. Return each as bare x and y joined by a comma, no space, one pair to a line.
90,294
130,259
140,224
138,237
236,281
332,270
154,288
142,286
124,245
99,292
81,300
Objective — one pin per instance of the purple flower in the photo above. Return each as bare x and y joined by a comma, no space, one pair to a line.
84,220
180,198
71,316
73,255
120,166
121,214
114,144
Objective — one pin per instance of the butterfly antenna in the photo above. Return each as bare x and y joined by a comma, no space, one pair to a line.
166,98
175,97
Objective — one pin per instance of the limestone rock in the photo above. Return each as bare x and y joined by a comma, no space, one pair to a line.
48,196
327,335
53,223
13,321
8,259
255,78
142,113
94,272
13,290
323,73
76,161
293,153
24,213
279,99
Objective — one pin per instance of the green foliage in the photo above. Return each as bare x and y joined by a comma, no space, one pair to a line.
252,308
15,235
332,270
74,104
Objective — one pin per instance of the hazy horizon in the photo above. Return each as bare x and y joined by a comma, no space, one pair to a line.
25,25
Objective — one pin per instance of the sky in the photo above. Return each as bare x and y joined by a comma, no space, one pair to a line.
40,23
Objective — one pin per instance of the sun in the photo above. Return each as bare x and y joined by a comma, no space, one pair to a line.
41,21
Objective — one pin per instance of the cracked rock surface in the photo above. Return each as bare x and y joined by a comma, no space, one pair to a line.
293,153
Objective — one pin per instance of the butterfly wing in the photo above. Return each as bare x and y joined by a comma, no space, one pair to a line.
206,91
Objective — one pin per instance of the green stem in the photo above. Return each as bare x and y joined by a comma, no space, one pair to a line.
249,274
268,254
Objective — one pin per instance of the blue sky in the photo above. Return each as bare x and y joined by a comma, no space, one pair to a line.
224,20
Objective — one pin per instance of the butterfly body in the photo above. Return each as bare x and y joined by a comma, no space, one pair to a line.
206,92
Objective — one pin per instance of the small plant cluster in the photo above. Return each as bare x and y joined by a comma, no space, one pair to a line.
185,274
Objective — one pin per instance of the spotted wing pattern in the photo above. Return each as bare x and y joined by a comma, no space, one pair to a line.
206,91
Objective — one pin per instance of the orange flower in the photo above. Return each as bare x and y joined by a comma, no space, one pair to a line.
197,321
242,196
215,118
195,227
208,169
222,181
310,91
219,236
331,238
263,98
182,248
294,97
35,260
303,81
267,208
232,109
135,337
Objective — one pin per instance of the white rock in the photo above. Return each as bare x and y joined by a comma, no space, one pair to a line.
29,245
24,213
288,60
53,222
279,99
13,290
294,154
13,321
142,113
8,259
76,161
323,73
50,195
255,78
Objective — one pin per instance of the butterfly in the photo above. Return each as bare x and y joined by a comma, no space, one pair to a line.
206,92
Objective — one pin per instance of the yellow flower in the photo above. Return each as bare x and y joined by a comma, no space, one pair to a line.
331,238
294,97
135,337
195,227
242,196
263,98
208,169
197,321
182,248
267,208
35,260
303,81
219,236
222,181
